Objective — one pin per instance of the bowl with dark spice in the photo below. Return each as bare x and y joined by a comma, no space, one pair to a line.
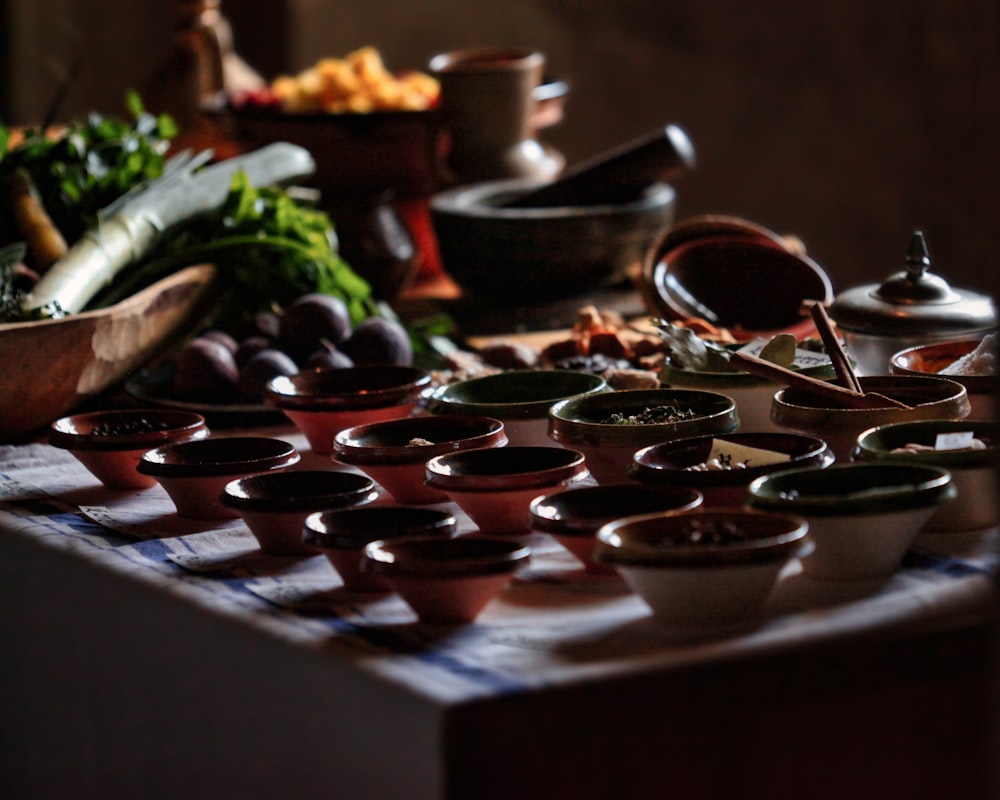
702,572
111,443
609,428
395,452
721,467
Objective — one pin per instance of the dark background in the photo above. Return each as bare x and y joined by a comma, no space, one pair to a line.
847,124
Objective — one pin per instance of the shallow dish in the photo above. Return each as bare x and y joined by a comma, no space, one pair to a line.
929,398
395,452
573,516
495,486
275,505
930,359
609,427
973,472
706,571
194,474
678,463
110,443
342,535
446,581
521,399
862,517
323,402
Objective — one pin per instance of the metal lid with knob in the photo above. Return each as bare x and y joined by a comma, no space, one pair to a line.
913,302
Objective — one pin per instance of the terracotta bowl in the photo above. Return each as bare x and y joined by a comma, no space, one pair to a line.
752,285
495,486
930,359
521,399
110,443
446,581
598,426
342,535
323,402
512,255
573,516
275,505
929,398
862,517
194,474
973,471
704,572
680,462
394,453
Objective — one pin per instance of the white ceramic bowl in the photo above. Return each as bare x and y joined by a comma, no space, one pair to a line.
862,517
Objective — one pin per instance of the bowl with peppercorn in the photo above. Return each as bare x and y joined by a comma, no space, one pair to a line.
609,428
863,517
394,452
111,443
705,572
520,398
966,448
722,467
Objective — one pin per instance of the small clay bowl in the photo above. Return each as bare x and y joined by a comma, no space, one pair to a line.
573,516
929,398
323,402
275,505
677,463
973,471
586,424
342,535
705,572
862,517
930,359
110,443
495,486
195,473
521,399
394,453
446,581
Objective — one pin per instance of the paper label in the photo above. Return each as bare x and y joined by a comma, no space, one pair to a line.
959,440
804,359
733,454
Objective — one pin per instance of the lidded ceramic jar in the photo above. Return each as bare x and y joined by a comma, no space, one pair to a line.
909,308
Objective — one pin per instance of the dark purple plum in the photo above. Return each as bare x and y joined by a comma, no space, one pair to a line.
249,347
206,371
259,371
379,340
310,318
222,338
326,356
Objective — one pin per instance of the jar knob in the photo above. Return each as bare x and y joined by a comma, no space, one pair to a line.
916,284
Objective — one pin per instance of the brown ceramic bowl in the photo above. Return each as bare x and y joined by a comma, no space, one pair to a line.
446,581
679,463
930,359
195,473
275,505
323,402
342,535
110,443
928,398
573,516
395,452
495,486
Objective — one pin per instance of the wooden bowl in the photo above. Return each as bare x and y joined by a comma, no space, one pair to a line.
50,367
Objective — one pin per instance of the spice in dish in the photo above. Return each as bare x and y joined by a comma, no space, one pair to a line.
980,361
655,415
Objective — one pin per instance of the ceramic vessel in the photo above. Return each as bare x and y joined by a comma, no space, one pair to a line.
598,425
110,443
275,505
520,399
495,486
928,398
342,535
573,516
195,473
683,462
930,359
446,581
973,471
862,517
323,402
394,453
704,572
